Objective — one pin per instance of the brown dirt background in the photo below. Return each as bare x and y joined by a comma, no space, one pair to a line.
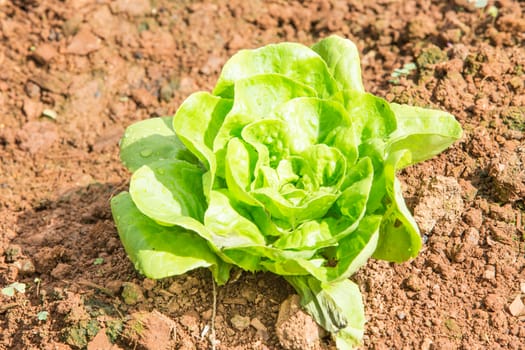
97,66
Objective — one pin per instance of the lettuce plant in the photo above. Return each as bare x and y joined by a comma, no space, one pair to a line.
288,166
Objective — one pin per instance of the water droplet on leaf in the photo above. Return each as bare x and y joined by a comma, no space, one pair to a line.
146,153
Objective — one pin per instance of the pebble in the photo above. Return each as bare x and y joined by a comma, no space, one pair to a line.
32,109
414,283
101,341
490,272
257,324
494,302
474,218
148,284
32,90
240,322
132,8
175,288
401,315
262,331
25,266
472,236
296,329
143,97
131,293
60,271
166,92
249,294
83,43
517,308
425,345
44,53
36,135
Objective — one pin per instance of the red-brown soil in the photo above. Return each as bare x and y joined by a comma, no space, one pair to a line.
94,67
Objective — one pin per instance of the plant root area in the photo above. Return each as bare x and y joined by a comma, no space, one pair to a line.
75,73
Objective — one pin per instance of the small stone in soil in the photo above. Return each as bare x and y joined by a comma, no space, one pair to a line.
240,322
414,283
32,109
131,293
83,43
151,331
44,53
143,98
517,308
490,272
25,266
101,341
295,328
494,302
148,284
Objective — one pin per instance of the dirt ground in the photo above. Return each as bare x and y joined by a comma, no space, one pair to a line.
75,73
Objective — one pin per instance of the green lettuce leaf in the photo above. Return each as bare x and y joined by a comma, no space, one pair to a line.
160,251
150,140
342,58
291,60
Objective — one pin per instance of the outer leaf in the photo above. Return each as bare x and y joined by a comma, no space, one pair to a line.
197,122
399,238
337,307
150,140
422,131
168,190
342,57
292,60
159,251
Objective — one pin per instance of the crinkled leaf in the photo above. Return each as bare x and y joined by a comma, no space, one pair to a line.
255,99
270,138
295,61
312,121
310,208
151,140
342,57
328,165
311,234
353,200
351,253
160,251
